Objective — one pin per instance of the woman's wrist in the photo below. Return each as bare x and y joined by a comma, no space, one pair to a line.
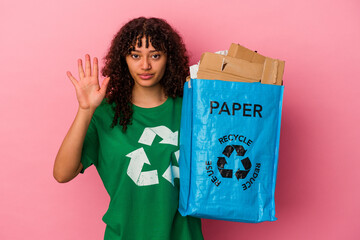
85,113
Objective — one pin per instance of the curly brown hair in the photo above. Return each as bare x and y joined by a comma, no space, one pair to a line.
163,38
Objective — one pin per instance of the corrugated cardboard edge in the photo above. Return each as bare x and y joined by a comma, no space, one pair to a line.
273,71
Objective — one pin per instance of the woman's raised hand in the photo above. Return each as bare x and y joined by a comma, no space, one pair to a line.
88,91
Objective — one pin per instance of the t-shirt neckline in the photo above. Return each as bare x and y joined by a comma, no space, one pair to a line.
157,108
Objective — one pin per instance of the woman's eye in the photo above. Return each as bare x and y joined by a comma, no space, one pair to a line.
156,56
135,56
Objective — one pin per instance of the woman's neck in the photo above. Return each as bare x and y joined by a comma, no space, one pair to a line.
148,97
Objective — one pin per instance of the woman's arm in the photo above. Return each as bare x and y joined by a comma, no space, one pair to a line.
89,94
67,163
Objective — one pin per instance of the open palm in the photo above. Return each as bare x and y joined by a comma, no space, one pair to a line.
88,91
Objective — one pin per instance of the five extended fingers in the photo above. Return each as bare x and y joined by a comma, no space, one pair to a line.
88,72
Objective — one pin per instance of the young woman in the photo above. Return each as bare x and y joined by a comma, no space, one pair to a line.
128,128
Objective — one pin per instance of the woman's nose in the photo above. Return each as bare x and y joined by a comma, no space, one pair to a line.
145,65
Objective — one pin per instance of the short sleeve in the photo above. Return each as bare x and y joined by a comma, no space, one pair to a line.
90,150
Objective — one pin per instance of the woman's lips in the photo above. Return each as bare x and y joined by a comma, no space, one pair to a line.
146,76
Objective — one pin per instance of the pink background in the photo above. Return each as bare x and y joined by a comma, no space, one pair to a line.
318,192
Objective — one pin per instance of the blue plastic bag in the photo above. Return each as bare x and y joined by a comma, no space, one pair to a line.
229,144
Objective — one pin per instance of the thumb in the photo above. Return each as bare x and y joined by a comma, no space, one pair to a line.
104,85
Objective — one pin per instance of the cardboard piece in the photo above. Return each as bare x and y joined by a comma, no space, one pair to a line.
216,66
241,64
238,51
273,70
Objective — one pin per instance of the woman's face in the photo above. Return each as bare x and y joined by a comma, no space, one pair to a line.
146,65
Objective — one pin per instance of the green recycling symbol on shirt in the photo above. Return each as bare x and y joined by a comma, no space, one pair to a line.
138,158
